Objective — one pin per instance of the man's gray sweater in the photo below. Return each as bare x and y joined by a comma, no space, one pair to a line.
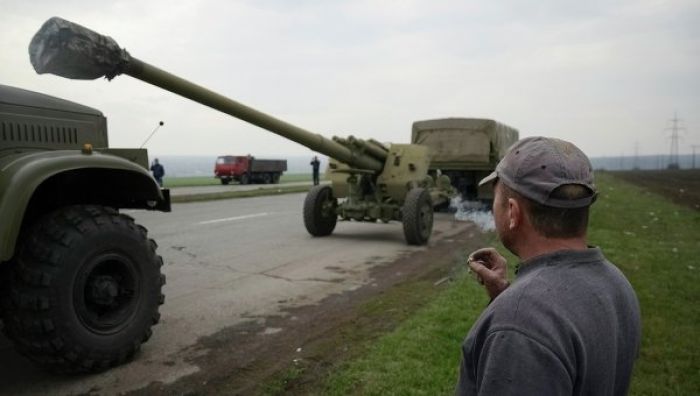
569,325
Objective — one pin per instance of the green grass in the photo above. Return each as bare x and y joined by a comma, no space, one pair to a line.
654,242
281,189
422,355
174,182
279,385
657,245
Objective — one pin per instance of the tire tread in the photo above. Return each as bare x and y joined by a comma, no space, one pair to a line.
411,216
316,224
28,306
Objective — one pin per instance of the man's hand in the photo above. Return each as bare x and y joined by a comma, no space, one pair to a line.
490,269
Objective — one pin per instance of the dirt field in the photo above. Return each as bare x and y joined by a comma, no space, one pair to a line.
681,186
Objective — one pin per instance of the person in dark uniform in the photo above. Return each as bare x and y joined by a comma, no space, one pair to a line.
158,171
315,164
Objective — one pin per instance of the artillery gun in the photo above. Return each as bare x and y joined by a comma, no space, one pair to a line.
373,180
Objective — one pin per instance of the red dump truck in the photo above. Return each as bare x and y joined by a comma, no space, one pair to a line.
248,169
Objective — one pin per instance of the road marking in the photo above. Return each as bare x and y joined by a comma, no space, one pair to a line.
250,216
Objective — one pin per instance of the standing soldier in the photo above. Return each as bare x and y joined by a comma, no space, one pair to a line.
315,164
158,172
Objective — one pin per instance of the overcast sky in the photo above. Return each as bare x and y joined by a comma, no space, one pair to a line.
605,75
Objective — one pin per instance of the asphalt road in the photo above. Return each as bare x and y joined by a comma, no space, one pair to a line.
228,262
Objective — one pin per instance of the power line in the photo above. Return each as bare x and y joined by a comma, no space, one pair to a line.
674,128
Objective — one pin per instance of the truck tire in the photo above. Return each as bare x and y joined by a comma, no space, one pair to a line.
320,216
266,178
4,291
417,216
225,181
245,179
85,288
275,178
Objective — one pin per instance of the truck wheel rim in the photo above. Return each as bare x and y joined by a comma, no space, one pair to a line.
106,293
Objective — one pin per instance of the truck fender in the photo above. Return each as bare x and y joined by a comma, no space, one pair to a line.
22,174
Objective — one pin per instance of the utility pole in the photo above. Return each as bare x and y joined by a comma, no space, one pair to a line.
694,146
674,128
635,163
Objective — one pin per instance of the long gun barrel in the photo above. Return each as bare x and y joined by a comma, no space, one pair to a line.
69,50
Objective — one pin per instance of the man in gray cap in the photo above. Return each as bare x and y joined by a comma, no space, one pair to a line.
570,323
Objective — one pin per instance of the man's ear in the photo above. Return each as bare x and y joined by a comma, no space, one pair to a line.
514,214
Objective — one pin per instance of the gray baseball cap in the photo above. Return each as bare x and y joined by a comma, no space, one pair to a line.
536,166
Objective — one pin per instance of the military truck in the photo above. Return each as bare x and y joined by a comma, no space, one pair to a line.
248,169
80,281
465,149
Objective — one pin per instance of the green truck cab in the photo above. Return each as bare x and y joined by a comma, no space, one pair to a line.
80,282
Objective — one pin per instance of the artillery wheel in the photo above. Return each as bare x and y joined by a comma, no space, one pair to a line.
85,287
245,179
319,211
417,215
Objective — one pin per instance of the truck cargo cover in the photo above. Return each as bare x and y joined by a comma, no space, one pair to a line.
464,140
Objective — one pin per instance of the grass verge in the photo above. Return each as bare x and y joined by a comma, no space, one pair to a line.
352,347
654,242
196,181
238,194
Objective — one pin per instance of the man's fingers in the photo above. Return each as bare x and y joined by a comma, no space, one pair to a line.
489,268
483,254
479,268
474,272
